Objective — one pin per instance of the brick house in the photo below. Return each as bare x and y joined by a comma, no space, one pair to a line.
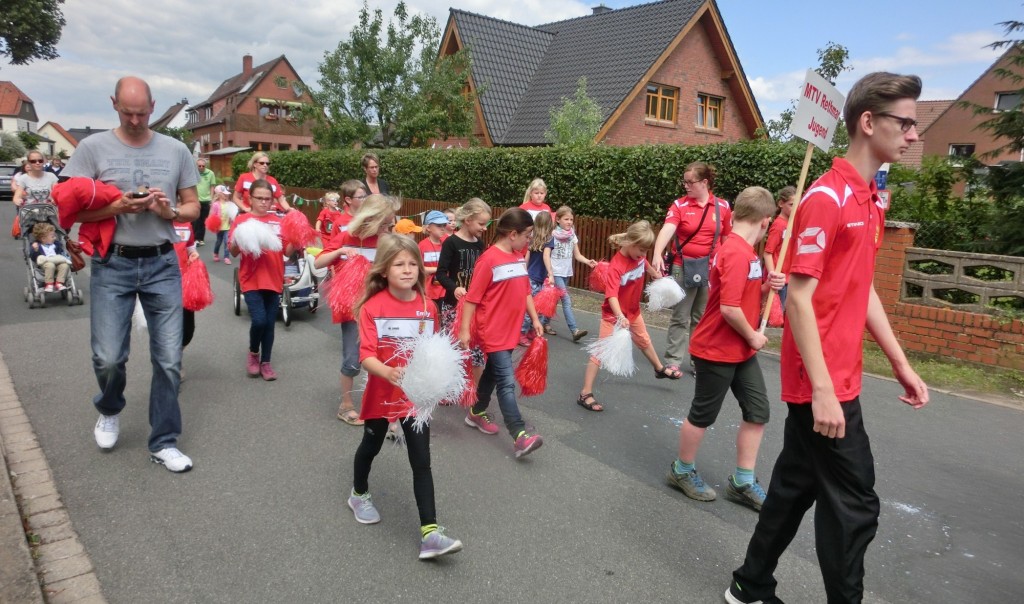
664,72
927,112
253,109
954,132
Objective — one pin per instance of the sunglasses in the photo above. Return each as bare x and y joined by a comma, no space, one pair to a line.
35,161
263,163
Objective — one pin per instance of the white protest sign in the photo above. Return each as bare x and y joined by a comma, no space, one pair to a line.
818,111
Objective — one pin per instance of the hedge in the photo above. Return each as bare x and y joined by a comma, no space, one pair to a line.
603,181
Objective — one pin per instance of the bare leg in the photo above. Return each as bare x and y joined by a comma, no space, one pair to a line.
690,437
347,383
748,441
652,356
589,376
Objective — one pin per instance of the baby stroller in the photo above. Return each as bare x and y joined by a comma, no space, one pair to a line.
29,215
301,285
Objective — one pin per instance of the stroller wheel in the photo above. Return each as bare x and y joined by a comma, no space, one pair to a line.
27,295
286,307
42,299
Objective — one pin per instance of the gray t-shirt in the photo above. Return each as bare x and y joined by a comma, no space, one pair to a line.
164,162
37,190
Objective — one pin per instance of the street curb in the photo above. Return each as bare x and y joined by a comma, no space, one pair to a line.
55,567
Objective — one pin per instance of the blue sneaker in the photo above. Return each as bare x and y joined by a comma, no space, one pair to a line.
750,495
362,507
437,544
691,484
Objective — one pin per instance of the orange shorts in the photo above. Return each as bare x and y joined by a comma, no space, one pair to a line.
637,331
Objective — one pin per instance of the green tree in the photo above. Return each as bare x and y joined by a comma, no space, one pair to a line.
11,147
831,64
577,121
182,134
29,139
1005,125
30,29
385,86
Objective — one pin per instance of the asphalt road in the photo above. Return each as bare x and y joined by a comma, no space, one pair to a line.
587,518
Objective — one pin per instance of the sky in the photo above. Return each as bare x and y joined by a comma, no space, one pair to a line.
185,48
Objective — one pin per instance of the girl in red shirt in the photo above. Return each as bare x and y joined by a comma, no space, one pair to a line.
430,246
185,248
328,216
624,286
395,307
498,296
375,217
261,279
773,245
533,199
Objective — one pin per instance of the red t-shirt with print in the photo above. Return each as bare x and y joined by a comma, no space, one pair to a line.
624,281
836,234
499,288
534,209
431,254
245,181
773,244
185,239
686,214
385,322
328,218
265,271
366,247
734,280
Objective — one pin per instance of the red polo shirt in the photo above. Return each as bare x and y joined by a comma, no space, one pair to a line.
625,282
499,288
685,213
265,271
734,280
836,234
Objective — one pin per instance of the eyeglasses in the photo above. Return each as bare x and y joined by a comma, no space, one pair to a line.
360,196
691,182
906,123
36,161
261,198
263,163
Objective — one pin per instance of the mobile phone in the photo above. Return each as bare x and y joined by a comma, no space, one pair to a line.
140,194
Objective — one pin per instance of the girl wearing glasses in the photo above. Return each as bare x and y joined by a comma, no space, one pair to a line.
34,184
259,168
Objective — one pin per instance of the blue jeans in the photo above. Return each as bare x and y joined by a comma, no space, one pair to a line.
262,305
116,283
563,284
498,373
222,238
535,286
350,349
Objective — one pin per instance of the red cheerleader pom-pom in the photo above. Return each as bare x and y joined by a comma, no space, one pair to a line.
295,229
532,372
547,299
469,393
457,324
346,287
597,277
213,223
775,317
196,293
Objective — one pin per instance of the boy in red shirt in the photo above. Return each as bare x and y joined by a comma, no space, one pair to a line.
434,224
773,245
724,350
826,457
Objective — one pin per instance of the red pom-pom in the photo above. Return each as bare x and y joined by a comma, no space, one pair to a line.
474,338
547,299
195,287
532,372
775,317
346,287
469,394
213,223
296,231
597,277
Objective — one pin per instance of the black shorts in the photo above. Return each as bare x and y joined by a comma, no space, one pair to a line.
714,380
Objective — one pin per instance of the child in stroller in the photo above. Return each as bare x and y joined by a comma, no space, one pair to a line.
45,253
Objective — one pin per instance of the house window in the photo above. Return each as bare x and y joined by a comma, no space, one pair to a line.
283,147
961,150
209,112
258,146
661,103
304,148
1006,101
709,112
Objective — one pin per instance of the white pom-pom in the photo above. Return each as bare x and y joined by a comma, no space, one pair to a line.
254,237
139,317
664,293
436,372
615,352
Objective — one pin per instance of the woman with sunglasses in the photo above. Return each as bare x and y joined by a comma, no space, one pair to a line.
259,168
34,184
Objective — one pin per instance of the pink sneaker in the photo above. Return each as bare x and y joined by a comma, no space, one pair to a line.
227,260
48,288
527,443
252,364
481,422
216,258
60,287
267,372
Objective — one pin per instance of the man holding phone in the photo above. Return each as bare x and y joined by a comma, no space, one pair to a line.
158,178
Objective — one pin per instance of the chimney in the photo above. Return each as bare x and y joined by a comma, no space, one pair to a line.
601,9
246,64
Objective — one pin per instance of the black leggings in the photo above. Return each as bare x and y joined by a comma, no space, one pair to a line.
418,445
188,326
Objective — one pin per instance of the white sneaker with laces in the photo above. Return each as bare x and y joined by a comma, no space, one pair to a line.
106,431
172,459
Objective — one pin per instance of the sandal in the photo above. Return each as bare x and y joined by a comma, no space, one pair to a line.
671,372
350,417
550,330
594,406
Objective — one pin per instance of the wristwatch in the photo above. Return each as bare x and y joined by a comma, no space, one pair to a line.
176,212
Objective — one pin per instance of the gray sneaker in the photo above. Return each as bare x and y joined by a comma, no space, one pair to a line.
437,544
750,495
691,484
362,507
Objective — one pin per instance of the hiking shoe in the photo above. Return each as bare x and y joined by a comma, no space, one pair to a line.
750,495
172,459
252,364
691,484
216,258
481,422
267,372
362,507
527,443
106,431
735,595
579,334
437,544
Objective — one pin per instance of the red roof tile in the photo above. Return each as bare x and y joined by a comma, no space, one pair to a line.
11,98
927,112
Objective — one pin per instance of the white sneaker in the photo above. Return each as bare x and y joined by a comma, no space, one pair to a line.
172,459
106,431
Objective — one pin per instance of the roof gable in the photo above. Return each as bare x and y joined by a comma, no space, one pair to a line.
243,82
172,112
11,99
61,131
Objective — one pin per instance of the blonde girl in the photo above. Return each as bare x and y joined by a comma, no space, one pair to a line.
227,210
624,285
535,268
375,217
395,299
329,215
558,256
533,199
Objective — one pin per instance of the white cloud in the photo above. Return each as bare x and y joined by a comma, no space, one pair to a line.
957,49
